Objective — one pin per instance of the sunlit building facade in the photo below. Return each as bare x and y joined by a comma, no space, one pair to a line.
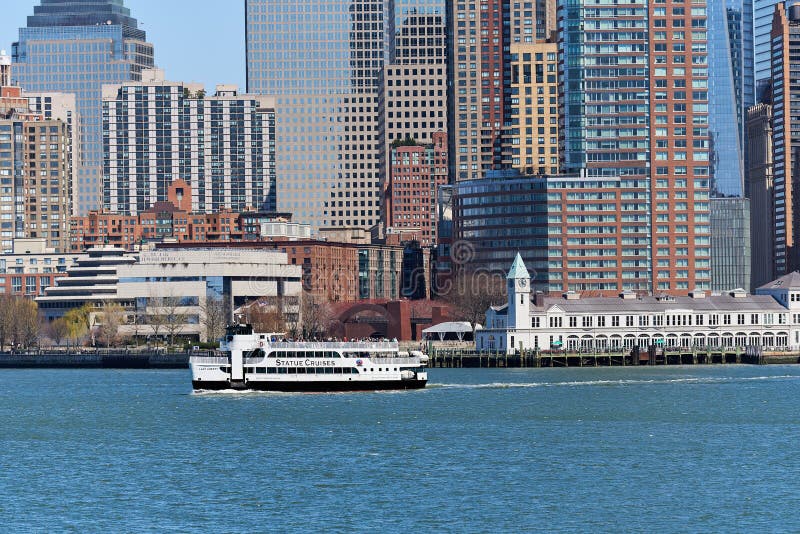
635,81
76,47
156,131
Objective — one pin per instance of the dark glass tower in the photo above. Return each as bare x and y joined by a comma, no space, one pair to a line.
76,46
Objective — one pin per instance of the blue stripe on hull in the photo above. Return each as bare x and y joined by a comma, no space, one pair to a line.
360,385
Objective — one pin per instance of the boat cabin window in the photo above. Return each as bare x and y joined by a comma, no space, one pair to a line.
271,370
327,354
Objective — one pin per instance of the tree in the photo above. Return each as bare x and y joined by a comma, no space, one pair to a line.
26,323
214,317
78,322
6,319
265,318
472,293
174,317
112,317
315,316
57,330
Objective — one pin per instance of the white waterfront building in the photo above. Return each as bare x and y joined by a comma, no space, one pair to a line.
768,319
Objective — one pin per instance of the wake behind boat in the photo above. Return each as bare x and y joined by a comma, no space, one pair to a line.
263,362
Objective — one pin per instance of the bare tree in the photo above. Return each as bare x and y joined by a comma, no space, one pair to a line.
472,293
174,317
265,319
316,316
112,317
154,317
6,319
57,330
26,323
214,318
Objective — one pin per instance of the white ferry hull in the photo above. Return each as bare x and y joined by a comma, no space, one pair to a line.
254,361
310,386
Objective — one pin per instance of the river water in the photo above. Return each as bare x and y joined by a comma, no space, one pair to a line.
669,449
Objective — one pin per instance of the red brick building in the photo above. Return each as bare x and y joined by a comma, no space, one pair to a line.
415,174
170,221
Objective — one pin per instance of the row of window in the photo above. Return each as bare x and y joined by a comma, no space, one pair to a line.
662,320
300,370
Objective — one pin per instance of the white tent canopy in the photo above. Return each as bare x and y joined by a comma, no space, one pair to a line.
456,329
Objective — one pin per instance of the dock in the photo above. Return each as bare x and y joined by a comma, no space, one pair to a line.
651,357
94,359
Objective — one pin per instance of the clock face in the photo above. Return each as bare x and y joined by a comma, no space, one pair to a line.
522,282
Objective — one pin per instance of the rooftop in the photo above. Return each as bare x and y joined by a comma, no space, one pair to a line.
518,269
606,305
787,281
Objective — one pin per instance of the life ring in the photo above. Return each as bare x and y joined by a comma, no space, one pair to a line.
260,343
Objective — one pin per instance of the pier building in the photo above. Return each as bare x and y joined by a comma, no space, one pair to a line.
571,321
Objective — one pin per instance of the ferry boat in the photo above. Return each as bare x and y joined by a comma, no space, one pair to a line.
265,362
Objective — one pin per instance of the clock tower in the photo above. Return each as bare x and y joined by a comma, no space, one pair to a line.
519,293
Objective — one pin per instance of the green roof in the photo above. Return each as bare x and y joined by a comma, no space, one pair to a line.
518,269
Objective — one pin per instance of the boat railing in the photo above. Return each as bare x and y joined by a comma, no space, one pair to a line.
350,346
398,361
209,360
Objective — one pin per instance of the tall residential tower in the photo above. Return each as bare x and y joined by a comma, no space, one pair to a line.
635,81
75,47
157,131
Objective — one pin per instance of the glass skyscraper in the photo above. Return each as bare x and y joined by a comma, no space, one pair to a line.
76,46
724,115
763,11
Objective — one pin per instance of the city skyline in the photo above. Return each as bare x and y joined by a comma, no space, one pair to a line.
226,54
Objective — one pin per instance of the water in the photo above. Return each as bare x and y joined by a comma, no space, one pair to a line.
611,449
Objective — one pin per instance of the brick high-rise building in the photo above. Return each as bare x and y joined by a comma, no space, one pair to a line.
636,106
785,87
35,174
479,71
415,174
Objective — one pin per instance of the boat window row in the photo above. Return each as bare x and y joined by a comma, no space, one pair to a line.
301,370
304,354
370,355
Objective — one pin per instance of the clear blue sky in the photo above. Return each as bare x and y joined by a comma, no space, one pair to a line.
195,40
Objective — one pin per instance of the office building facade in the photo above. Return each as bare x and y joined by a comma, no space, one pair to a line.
763,12
412,98
741,42
35,174
322,62
785,106
761,193
730,244
725,109
635,80
156,132
76,47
